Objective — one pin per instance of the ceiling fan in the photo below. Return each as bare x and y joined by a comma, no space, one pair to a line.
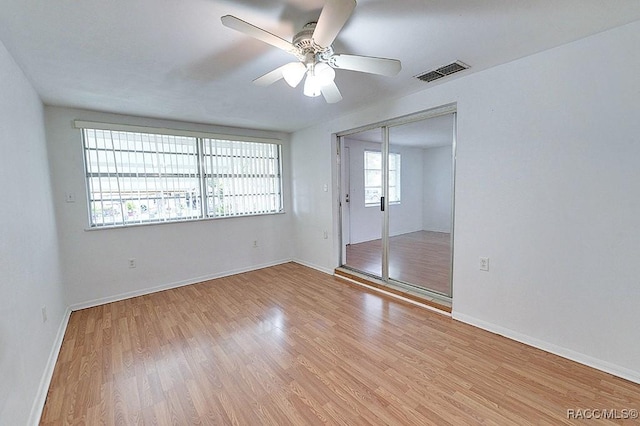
316,58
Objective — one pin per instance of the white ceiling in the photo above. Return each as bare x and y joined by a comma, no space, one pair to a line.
174,59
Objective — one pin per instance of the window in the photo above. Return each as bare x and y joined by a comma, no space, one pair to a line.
241,177
135,178
373,178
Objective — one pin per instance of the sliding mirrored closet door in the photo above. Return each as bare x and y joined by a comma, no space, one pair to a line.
421,198
397,203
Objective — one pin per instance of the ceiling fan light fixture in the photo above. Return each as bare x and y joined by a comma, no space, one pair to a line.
312,86
319,76
324,73
293,73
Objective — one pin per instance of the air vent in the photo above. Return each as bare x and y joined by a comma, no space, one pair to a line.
444,71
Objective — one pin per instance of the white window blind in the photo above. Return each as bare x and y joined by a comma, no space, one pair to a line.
241,177
135,178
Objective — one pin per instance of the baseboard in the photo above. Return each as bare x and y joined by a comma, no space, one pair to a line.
598,364
312,266
168,286
45,381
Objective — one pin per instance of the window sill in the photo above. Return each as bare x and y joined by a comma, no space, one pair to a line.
174,222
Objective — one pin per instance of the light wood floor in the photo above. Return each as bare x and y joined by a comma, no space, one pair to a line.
420,258
290,345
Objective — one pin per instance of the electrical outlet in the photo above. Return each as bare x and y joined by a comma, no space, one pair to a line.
44,314
325,235
484,264
132,263
255,243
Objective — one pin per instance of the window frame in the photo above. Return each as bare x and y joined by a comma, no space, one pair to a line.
397,171
197,172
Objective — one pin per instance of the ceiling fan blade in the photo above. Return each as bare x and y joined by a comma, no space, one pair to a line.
331,93
332,18
368,64
237,24
270,77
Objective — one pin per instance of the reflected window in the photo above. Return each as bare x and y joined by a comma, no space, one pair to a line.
373,178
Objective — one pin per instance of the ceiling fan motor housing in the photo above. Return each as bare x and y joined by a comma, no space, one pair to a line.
307,50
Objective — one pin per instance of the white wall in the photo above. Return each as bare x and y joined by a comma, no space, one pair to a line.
29,262
314,208
95,262
437,189
366,221
547,184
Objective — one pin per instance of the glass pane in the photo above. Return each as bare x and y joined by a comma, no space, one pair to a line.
393,195
372,195
373,178
392,161
372,160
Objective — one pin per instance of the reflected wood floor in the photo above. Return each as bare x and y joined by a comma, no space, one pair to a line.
290,345
421,258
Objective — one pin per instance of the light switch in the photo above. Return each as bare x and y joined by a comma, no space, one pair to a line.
70,197
484,264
